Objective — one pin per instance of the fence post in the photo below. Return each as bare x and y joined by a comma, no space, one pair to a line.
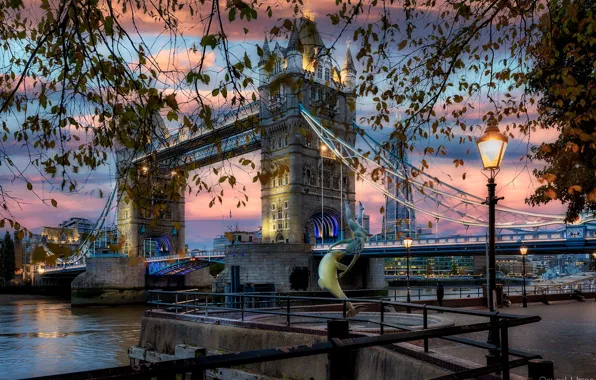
338,360
288,310
242,307
382,318
425,326
540,369
505,352
460,292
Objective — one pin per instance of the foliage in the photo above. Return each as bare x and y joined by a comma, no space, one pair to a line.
564,73
7,258
81,84
592,264
216,268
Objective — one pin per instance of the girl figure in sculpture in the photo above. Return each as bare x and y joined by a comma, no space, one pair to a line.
330,264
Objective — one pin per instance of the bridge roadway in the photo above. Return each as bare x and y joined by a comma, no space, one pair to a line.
236,132
575,240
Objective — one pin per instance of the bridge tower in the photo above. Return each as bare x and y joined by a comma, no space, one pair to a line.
301,203
150,212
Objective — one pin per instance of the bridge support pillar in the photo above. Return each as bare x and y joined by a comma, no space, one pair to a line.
110,281
285,266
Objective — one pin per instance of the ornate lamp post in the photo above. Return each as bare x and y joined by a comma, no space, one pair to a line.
523,250
492,145
408,243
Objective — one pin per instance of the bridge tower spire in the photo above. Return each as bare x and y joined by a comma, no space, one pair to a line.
301,202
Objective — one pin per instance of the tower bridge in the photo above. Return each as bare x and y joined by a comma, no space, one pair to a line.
306,126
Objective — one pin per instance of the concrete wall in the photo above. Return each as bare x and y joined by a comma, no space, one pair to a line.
270,263
200,278
275,263
374,363
110,281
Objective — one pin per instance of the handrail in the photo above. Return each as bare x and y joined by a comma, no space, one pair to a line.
498,323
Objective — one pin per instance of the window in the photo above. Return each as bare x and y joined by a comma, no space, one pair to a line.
279,142
319,71
250,238
273,144
286,204
274,216
327,75
279,226
286,179
286,140
274,181
321,94
313,93
273,206
239,237
286,223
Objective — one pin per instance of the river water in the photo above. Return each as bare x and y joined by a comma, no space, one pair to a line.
46,337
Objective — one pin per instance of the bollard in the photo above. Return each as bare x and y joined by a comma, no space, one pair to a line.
339,363
425,326
540,369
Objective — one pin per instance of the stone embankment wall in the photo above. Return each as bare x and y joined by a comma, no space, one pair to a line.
163,335
110,281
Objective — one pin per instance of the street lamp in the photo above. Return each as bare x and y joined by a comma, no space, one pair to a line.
492,145
523,250
408,243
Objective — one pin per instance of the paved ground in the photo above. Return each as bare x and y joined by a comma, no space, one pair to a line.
566,335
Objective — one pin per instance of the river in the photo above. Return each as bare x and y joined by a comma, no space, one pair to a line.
46,337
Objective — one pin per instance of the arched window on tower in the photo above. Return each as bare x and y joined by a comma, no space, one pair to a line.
326,74
319,71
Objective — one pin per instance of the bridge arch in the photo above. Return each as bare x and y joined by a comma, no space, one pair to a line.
323,226
156,245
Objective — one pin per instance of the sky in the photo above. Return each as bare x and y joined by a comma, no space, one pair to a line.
203,223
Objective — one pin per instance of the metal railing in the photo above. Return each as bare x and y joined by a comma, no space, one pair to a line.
339,343
240,306
430,293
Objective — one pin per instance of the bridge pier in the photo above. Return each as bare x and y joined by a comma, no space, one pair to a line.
110,281
292,267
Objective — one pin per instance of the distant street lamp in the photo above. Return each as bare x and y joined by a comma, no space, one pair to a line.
408,243
523,250
492,145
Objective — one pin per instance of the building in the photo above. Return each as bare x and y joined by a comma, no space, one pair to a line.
513,267
236,237
436,266
398,220
366,222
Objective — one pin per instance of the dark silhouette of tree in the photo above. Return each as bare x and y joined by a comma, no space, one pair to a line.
7,258
564,74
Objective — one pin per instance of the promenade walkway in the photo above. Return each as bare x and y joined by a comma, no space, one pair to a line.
566,335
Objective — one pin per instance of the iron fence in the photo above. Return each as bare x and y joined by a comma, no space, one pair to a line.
241,305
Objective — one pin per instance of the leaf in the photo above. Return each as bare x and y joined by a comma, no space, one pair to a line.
54,203
574,188
29,186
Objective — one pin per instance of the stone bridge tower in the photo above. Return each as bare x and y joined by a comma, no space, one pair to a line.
152,224
301,203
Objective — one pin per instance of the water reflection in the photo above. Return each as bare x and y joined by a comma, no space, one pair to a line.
48,337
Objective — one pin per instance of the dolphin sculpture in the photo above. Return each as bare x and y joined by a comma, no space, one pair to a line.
328,279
